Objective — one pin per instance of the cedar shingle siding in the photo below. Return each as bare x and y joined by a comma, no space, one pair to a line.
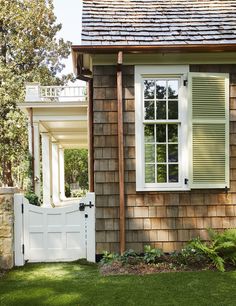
148,22
162,219
165,220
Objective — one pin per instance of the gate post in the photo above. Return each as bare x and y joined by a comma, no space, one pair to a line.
91,250
18,229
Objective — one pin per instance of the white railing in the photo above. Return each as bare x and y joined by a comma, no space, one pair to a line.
37,93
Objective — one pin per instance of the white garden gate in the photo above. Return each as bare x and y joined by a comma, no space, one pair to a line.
54,234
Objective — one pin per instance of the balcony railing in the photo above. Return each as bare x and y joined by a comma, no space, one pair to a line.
37,93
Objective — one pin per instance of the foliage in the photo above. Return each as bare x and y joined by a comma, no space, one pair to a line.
23,174
221,249
33,198
210,252
130,257
152,255
13,143
189,256
225,244
108,257
79,193
29,52
67,190
76,167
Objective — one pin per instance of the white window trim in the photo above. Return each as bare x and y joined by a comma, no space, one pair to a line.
165,71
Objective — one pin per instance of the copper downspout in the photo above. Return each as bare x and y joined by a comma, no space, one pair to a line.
121,150
90,131
32,147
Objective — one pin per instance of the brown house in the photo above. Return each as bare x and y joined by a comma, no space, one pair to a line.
162,110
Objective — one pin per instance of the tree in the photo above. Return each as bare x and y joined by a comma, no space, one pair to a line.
76,167
29,52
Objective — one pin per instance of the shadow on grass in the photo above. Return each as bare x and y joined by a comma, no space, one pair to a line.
76,284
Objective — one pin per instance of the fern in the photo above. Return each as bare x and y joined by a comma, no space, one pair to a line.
210,252
220,249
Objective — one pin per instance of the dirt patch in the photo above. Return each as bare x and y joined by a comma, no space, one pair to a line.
117,268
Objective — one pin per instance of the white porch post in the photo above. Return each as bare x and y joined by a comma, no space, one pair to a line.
62,173
46,165
37,159
55,173
30,138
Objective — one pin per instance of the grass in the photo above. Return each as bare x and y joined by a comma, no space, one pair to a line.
74,284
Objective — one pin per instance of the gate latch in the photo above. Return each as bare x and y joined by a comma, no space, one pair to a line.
82,206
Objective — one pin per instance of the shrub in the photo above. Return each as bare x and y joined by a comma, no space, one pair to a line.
152,255
67,191
108,258
78,193
189,256
32,198
130,257
221,248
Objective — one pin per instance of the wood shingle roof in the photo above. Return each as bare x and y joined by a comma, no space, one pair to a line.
160,22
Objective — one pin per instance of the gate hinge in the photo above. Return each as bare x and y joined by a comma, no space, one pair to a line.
22,208
23,249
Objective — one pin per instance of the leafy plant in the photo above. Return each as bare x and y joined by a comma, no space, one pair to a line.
108,257
189,256
32,198
67,190
210,252
78,193
152,255
30,52
225,243
130,257
221,248
76,167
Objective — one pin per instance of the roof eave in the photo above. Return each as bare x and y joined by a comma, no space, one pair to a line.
93,49
78,52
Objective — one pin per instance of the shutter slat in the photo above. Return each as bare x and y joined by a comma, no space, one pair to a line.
209,97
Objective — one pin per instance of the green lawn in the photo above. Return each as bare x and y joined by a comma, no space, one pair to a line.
73,284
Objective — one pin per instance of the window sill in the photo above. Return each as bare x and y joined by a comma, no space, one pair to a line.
163,189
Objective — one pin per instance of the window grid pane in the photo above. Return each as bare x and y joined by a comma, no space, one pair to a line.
162,154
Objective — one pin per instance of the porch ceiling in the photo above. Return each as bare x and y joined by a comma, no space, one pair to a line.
68,125
69,134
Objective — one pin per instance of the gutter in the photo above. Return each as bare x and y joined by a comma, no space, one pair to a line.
79,52
153,48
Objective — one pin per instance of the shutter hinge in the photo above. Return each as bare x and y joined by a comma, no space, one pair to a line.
23,249
185,82
22,208
86,215
186,181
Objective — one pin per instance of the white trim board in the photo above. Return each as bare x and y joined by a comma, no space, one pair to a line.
169,71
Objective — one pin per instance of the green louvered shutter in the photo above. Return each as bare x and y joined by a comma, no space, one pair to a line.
209,97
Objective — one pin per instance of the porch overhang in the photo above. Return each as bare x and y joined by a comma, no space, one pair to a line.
60,111
58,120
67,124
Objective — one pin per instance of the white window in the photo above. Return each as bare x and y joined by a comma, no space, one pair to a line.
163,130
